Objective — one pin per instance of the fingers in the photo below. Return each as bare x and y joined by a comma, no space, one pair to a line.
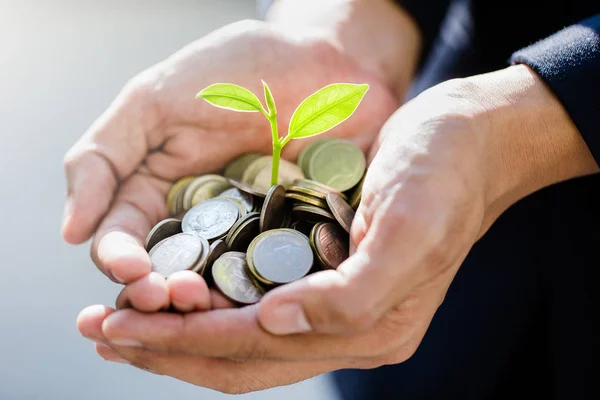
188,292
89,322
117,248
107,153
149,293
236,334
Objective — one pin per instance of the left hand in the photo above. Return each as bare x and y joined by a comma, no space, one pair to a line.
451,161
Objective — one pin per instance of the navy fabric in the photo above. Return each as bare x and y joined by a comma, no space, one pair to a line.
518,320
569,62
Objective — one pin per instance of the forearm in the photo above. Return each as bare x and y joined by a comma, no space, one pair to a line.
377,34
529,140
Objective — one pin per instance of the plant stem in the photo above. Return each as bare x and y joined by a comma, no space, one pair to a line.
276,147
275,168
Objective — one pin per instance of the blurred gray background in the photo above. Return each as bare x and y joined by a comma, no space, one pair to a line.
61,63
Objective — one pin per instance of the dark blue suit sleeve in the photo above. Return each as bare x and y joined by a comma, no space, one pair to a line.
429,16
569,62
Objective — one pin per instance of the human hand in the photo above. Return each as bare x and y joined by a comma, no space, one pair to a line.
156,132
449,163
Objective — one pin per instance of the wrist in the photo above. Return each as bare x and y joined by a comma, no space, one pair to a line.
377,34
530,142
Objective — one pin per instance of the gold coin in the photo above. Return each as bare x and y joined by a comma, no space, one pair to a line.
310,200
254,168
307,191
236,167
203,188
337,163
307,151
318,187
288,173
357,195
177,187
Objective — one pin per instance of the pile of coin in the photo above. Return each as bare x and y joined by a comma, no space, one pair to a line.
245,236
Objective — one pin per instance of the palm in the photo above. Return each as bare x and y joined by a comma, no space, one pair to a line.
157,132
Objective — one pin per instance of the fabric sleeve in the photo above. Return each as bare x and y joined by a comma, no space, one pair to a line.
569,62
429,16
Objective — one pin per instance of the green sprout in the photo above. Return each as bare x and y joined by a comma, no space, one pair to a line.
318,113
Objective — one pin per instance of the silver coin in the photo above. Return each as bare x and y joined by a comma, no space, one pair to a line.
211,219
231,278
176,253
164,229
245,198
281,256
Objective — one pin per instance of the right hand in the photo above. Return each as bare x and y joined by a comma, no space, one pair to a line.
155,132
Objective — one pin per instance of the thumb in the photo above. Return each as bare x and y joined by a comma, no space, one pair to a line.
347,300
106,154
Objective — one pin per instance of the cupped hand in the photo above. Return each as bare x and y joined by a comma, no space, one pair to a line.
424,205
155,132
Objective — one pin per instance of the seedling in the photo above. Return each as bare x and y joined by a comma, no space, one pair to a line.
318,113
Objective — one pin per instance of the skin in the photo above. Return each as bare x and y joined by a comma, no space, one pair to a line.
444,167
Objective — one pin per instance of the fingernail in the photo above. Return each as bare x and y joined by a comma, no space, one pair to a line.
127,342
116,277
287,319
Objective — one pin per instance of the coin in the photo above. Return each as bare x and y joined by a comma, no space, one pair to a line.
176,253
337,163
241,207
330,244
254,168
307,151
236,167
207,190
235,193
231,278
245,230
216,250
176,190
307,200
279,256
288,173
202,260
357,195
343,213
273,211
211,219
303,226
193,186
311,214
248,189
317,187
164,229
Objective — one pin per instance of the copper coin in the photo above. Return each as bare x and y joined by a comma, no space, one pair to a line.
273,210
247,189
176,253
311,214
164,229
211,219
331,244
280,256
343,213
230,276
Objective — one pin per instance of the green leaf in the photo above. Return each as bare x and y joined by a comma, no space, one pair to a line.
325,109
270,100
231,97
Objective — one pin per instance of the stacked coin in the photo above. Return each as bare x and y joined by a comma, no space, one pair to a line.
246,236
